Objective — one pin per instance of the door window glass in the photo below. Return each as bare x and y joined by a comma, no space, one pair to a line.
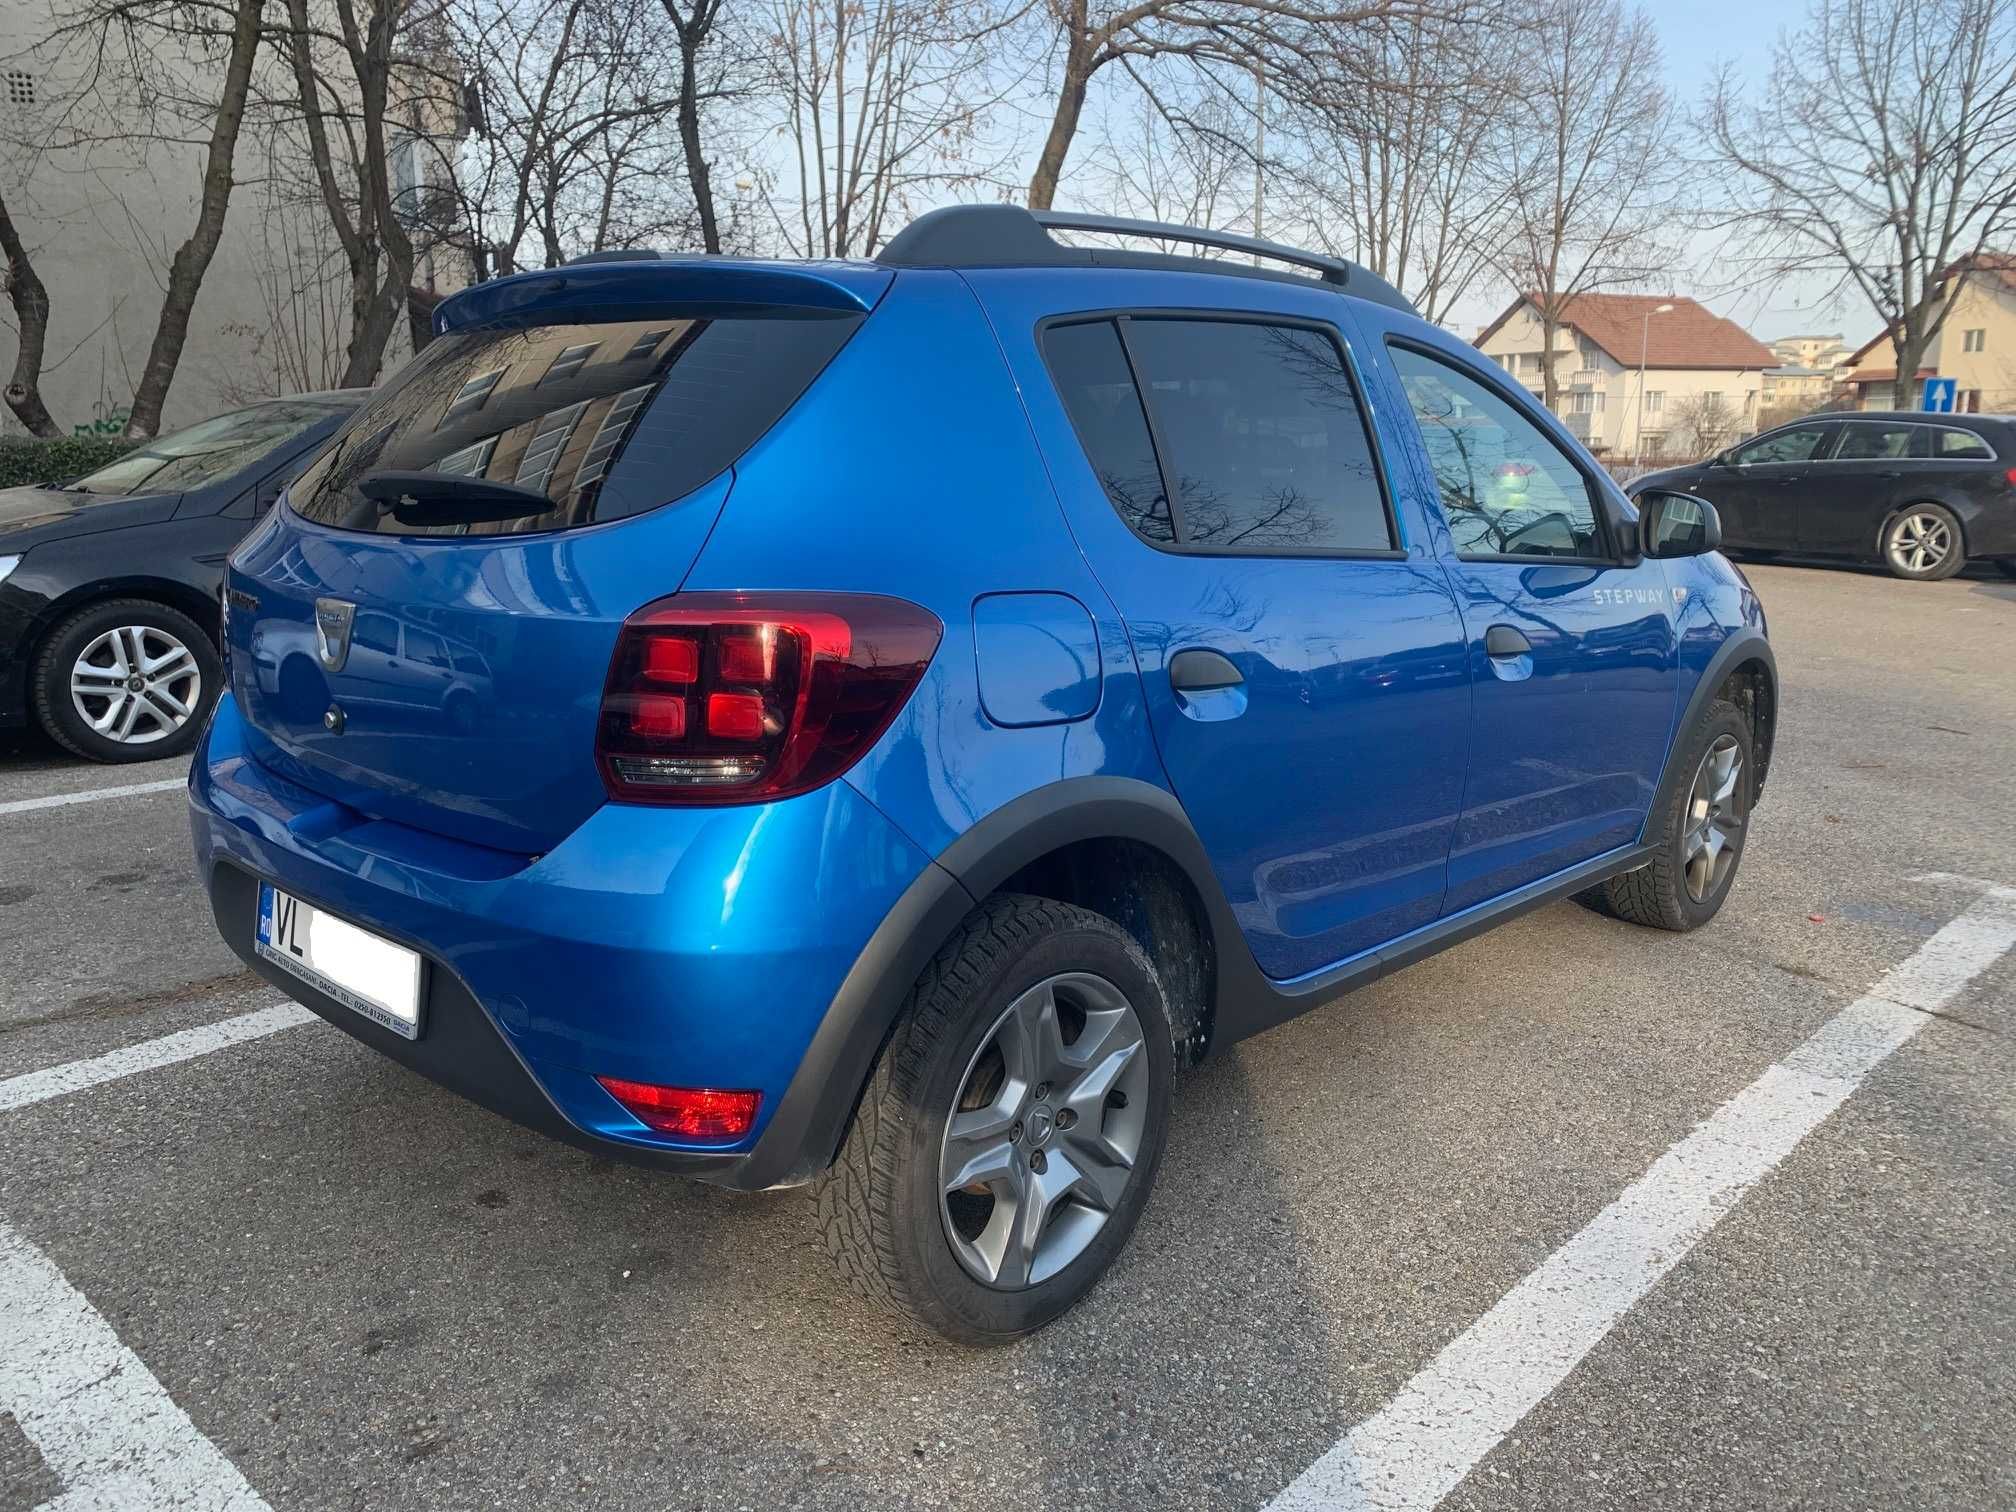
426,648
1267,445
1507,489
1796,445
377,632
1864,442
1089,367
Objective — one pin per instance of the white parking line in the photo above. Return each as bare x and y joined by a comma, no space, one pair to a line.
103,1424
184,1044
90,795
1418,1447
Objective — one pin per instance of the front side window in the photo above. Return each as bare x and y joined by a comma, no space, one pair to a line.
205,453
1266,442
1798,444
1864,442
1507,489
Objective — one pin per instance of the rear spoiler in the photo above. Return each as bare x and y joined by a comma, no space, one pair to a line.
645,285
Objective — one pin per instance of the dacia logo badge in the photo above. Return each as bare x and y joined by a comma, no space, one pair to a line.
333,619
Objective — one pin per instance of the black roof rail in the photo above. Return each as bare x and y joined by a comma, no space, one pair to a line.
1008,236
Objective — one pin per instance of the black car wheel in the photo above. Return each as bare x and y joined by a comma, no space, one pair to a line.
126,680
1700,834
1006,1145
1922,543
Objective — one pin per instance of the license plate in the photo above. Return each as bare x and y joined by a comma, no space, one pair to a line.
364,972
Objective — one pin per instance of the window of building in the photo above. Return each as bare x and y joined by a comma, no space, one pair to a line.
1655,401
1264,438
1970,401
1653,445
1975,340
1506,488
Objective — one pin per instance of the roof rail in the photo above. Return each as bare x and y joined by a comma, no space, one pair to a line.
996,236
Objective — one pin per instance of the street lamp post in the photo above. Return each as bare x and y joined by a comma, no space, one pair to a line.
1644,340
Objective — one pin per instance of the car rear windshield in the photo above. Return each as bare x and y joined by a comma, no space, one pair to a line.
607,419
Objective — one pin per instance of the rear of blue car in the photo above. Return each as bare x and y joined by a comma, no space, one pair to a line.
602,817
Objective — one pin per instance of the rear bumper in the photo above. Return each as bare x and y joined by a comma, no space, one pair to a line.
687,947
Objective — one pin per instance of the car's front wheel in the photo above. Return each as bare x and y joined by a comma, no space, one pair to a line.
1923,544
1007,1143
1699,834
126,680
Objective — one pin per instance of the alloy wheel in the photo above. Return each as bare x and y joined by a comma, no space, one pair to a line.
1715,820
1045,1131
1919,542
136,684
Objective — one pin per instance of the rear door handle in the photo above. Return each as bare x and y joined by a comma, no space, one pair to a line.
1202,672
1503,640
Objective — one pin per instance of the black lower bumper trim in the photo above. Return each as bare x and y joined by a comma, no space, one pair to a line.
460,1048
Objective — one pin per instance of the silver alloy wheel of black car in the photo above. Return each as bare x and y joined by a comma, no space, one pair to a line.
1714,820
1045,1131
1920,542
136,684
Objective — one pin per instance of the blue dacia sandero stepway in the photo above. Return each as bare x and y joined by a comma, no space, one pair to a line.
869,723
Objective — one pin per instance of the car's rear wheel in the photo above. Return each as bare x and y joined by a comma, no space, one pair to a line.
126,680
1700,836
1922,543
1007,1144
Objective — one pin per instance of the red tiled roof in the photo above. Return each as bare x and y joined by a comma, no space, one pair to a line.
1688,336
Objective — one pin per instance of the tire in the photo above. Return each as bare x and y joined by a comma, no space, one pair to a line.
1667,893
1922,543
917,1250
87,650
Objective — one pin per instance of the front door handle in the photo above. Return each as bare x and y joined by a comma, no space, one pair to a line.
1503,640
1202,672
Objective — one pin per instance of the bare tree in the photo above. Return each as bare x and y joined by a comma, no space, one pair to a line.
1406,177
1587,162
1302,46
30,299
1700,424
1883,153
879,99
697,26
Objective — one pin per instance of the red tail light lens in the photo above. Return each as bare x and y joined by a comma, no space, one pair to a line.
737,697
2011,476
688,1112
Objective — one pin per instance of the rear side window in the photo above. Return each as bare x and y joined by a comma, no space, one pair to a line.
1261,434
1092,377
607,419
1507,489
1866,441
1960,446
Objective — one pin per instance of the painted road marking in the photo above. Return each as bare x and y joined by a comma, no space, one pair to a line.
91,795
1418,1447
101,1421
185,1044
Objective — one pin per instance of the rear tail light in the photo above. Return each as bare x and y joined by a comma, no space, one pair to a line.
688,1112
735,697
2011,476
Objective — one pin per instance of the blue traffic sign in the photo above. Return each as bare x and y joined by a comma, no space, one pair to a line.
1939,395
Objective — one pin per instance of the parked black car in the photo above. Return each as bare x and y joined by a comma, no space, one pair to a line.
108,583
1922,494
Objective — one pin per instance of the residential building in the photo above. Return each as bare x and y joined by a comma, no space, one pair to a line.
1812,352
102,212
1976,344
1696,378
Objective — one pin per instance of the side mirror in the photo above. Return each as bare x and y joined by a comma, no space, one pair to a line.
1676,524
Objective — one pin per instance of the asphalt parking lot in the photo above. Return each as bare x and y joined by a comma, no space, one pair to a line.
1400,1234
